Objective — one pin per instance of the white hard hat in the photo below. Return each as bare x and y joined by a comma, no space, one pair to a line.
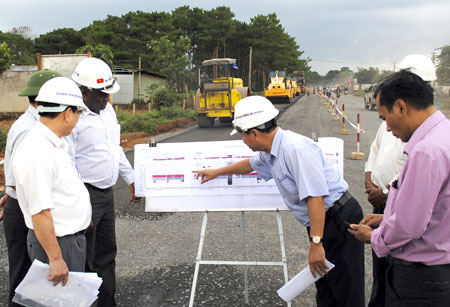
95,74
251,112
62,92
420,65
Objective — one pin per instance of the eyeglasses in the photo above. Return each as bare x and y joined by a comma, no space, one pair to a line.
79,110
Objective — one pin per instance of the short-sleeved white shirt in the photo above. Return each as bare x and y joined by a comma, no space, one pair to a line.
46,178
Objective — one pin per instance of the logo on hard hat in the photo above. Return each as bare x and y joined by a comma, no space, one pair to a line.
100,80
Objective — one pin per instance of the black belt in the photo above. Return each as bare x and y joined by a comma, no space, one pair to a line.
338,204
81,232
90,186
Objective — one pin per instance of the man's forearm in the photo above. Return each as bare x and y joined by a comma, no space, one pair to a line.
316,212
45,233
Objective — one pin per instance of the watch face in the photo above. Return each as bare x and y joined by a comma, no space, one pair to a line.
316,239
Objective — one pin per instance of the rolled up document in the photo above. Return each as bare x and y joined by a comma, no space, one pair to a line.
299,283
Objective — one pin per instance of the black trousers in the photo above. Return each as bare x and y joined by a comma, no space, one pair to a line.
73,250
101,245
417,285
16,241
343,285
379,269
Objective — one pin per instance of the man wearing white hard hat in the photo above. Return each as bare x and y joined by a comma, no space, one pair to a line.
385,161
313,190
53,199
95,148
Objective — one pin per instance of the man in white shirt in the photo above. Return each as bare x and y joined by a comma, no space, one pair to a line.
52,197
15,229
386,160
95,148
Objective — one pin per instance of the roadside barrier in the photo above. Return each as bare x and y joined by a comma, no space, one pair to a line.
343,131
357,155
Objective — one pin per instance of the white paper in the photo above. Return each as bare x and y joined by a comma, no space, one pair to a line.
35,290
299,283
163,174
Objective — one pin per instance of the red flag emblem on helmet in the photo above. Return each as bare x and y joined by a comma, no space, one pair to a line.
100,80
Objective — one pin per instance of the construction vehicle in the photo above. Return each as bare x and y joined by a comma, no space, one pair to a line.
295,86
218,92
278,90
301,82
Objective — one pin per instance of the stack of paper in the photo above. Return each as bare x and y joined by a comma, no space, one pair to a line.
299,283
35,290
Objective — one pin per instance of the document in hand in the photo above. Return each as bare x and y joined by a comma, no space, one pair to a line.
299,283
35,290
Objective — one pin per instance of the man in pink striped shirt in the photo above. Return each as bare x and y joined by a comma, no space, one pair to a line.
414,231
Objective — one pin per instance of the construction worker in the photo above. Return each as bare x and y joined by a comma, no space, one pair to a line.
15,229
52,197
313,190
414,231
386,160
95,149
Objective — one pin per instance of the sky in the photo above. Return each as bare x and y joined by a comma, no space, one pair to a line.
332,33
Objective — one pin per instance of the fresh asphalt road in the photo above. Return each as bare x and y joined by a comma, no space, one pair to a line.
157,251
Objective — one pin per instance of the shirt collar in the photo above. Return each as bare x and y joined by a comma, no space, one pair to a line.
33,111
423,130
51,136
276,143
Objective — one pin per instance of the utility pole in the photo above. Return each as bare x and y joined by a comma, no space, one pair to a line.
139,81
250,71
394,66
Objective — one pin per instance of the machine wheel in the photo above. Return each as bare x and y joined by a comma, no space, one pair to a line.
205,122
225,119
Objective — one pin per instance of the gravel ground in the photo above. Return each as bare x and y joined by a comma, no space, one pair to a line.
157,251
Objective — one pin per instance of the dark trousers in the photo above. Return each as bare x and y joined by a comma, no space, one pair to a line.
343,285
417,285
16,241
379,268
101,245
73,250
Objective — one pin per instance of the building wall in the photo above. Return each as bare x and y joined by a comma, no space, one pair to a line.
11,83
63,63
147,81
126,93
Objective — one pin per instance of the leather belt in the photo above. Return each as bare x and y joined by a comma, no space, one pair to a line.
90,186
338,204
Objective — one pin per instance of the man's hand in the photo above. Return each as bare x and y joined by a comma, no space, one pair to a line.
59,272
361,232
376,197
3,200
372,220
316,260
206,174
134,199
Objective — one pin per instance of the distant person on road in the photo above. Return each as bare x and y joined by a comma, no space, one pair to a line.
313,190
14,224
52,197
386,160
95,148
414,231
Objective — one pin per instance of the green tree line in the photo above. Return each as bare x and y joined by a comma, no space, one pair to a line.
173,44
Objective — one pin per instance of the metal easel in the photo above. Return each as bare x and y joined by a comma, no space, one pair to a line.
244,262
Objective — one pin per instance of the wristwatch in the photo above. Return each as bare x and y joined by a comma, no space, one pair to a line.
315,239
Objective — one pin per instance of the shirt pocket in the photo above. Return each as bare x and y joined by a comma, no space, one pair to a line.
289,189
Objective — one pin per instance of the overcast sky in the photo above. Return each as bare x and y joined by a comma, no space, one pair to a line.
332,33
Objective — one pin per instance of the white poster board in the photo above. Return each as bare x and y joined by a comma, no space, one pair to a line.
163,174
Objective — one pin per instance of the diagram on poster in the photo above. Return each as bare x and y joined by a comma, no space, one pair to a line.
163,174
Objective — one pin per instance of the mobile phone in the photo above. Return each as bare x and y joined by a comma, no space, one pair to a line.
347,224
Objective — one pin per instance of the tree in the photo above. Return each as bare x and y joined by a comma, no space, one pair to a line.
64,41
443,68
22,49
314,78
171,60
25,31
366,76
5,57
98,51
384,74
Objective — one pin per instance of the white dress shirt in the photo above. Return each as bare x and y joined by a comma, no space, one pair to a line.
46,178
95,149
386,158
16,134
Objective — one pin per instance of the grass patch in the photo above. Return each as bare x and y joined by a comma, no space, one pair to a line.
3,136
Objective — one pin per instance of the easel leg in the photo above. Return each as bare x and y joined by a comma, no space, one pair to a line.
283,252
244,256
198,259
